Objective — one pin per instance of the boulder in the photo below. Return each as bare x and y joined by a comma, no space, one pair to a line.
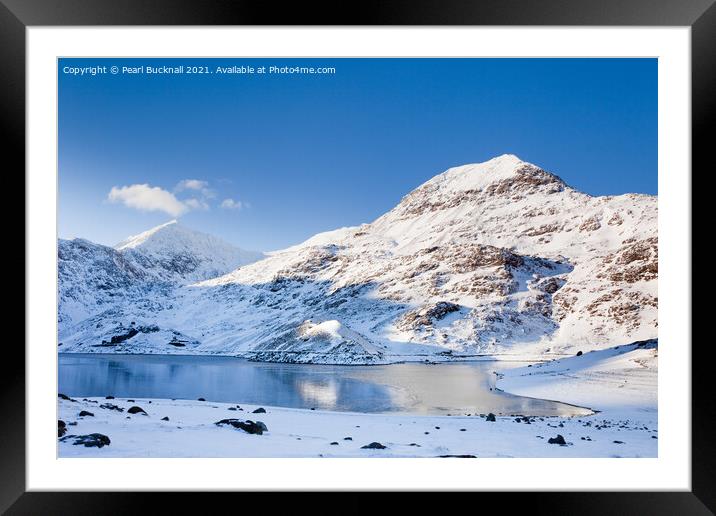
373,446
248,426
61,428
259,410
111,406
89,440
557,440
490,417
85,413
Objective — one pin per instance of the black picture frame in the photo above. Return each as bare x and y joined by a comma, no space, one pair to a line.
17,15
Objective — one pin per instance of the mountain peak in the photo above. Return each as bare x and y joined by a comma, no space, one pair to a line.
134,241
503,177
505,158
182,254
175,238
479,175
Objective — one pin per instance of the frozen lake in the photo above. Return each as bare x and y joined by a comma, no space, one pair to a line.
435,389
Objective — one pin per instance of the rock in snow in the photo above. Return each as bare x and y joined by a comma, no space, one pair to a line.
373,446
490,258
557,440
251,427
89,441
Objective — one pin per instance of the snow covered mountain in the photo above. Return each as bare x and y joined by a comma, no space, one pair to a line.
94,278
180,255
499,258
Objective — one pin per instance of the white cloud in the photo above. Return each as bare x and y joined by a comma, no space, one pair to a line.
196,204
192,184
230,204
197,185
143,197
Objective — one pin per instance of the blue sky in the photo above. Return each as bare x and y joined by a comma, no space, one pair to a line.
290,155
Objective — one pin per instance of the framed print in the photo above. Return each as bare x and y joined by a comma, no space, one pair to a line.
437,249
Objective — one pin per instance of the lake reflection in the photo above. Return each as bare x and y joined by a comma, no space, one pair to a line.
407,388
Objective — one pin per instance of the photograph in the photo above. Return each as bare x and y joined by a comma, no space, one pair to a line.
353,257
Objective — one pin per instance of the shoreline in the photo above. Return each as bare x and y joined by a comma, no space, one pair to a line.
440,359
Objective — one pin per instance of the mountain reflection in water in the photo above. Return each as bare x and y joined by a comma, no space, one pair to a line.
456,388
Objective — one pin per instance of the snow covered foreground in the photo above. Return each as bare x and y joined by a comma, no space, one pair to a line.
500,258
620,383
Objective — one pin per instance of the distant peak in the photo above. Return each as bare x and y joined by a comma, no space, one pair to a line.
136,240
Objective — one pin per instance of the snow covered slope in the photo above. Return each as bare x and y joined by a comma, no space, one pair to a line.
499,258
94,278
621,379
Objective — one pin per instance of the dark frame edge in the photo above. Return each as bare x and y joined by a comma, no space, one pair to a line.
12,135
365,12
701,500
703,120
536,503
